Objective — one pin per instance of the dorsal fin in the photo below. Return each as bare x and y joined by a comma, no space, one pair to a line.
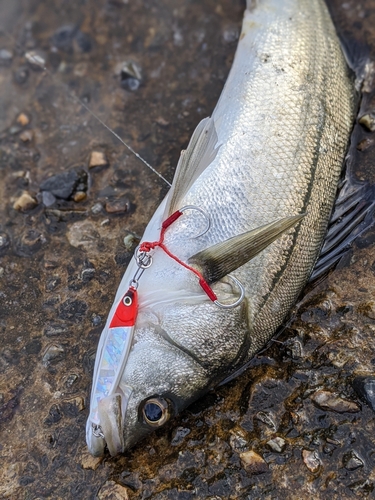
221,259
193,161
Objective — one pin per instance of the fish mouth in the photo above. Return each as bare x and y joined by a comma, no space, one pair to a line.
107,429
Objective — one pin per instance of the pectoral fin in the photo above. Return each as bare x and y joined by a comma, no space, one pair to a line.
221,259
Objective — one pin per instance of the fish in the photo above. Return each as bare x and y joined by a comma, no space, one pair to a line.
228,251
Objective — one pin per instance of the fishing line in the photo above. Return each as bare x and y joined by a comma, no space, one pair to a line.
39,61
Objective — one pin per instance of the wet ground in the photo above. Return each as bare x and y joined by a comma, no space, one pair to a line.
293,424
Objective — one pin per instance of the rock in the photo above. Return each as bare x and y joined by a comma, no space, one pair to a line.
113,491
96,320
326,400
64,185
6,57
118,206
83,41
130,75
365,388
54,352
129,240
238,440
367,121
25,202
266,418
351,461
88,461
26,136
98,159
97,208
48,199
4,242
21,75
64,36
23,119
83,234
54,415
79,196
311,460
36,60
29,243
55,330
253,463
73,310
179,435
277,444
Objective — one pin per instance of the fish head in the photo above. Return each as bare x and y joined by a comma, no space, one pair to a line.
182,345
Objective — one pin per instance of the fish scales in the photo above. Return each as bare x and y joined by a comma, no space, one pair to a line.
283,123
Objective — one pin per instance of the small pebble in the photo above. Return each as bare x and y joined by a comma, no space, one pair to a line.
4,242
6,57
23,119
54,352
351,461
26,136
21,75
326,400
96,320
119,206
253,463
79,196
25,202
311,460
129,240
90,462
130,75
97,208
277,444
98,159
113,491
55,330
48,199
70,380
35,59
368,122
365,388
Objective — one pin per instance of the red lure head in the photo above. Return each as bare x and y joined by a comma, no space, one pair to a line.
126,312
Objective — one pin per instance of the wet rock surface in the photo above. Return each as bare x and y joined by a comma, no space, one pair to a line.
299,422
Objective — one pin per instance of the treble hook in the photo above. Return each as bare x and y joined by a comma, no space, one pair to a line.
205,214
238,301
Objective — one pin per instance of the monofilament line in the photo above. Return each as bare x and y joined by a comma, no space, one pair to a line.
34,58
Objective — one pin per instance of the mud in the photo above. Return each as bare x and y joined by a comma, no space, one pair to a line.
152,70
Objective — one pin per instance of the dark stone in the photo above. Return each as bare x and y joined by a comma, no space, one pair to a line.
64,36
73,310
34,347
65,184
4,242
365,388
54,330
84,41
54,415
29,243
25,480
21,75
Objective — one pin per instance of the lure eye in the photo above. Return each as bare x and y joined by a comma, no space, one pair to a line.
127,300
156,411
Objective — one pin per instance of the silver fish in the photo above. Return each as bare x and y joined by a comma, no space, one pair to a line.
253,194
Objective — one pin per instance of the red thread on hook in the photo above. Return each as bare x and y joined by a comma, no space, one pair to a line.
146,246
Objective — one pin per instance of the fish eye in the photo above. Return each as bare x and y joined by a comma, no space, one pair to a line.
156,411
